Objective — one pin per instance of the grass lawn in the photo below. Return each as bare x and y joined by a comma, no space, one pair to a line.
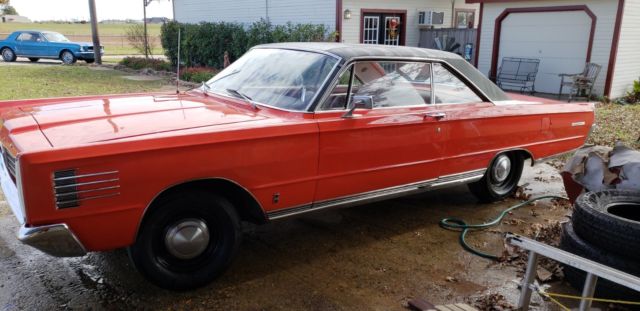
23,82
617,122
77,29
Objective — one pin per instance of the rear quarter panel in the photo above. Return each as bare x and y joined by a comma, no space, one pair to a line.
477,133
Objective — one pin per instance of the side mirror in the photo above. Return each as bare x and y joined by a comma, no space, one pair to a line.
359,102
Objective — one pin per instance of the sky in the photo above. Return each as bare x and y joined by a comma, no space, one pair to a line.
79,9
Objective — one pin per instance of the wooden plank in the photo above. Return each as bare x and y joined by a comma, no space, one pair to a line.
466,307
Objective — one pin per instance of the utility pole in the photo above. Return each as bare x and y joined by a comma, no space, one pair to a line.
146,35
94,32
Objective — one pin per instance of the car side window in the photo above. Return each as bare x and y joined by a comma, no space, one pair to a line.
451,90
25,36
388,84
337,99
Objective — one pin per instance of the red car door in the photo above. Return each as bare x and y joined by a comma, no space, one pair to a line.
473,130
395,141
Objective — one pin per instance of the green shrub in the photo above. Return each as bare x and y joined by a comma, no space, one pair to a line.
204,44
198,74
139,63
633,97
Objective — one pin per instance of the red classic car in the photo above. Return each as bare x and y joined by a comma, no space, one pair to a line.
286,129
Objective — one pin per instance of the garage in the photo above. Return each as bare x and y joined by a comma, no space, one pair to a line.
560,40
563,35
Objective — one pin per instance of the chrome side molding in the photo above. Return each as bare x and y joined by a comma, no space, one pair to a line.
382,194
70,192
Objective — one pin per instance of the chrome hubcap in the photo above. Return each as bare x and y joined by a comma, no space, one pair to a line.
7,54
187,239
67,57
501,168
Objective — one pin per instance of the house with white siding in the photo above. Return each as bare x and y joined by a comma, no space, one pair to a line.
395,22
564,35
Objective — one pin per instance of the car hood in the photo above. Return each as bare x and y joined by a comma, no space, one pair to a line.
84,121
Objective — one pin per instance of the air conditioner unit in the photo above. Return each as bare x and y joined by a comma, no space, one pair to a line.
430,18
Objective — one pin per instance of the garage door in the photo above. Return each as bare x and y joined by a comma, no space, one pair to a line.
559,39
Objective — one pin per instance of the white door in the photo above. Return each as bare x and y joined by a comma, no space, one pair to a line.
559,39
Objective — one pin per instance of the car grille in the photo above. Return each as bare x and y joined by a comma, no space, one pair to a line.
71,189
10,163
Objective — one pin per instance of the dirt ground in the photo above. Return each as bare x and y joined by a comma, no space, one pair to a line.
372,257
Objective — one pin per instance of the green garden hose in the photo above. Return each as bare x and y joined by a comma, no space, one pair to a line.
459,224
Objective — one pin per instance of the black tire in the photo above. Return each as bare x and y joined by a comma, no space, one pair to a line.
152,256
572,243
490,188
8,55
90,61
33,59
610,220
68,58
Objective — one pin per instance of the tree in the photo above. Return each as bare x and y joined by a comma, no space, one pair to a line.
9,10
138,39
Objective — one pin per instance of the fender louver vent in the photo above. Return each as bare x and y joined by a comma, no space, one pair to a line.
71,189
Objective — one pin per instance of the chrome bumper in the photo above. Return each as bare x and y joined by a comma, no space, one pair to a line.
55,240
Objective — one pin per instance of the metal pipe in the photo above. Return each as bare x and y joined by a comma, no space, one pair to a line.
529,278
587,291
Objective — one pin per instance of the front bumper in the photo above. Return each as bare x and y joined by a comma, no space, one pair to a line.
87,55
55,240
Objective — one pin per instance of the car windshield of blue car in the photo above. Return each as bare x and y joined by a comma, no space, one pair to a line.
284,79
55,37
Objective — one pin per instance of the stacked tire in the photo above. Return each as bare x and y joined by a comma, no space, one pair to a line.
605,228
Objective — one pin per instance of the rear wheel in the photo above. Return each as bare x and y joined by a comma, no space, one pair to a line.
68,58
8,55
187,240
33,59
501,179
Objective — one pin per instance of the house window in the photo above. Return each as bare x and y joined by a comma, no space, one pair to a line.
383,28
465,18
371,29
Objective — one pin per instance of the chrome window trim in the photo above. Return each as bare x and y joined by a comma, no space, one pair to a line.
381,194
483,96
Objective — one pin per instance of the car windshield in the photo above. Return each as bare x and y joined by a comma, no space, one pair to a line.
55,37
279,78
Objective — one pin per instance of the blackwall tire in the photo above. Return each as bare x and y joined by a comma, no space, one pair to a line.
572,243
166,263
610,220
497,185
68,58
8,55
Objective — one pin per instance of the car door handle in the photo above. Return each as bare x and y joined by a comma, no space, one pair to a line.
435,115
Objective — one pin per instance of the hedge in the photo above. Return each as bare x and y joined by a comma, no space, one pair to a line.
204,44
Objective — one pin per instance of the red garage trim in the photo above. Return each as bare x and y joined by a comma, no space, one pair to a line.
339,20
403,16
613,57
501,18
477,47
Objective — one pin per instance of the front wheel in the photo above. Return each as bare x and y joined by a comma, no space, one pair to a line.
501,179
68,58
187,240
8,55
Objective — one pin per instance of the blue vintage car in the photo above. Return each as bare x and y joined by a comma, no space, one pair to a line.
35,45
